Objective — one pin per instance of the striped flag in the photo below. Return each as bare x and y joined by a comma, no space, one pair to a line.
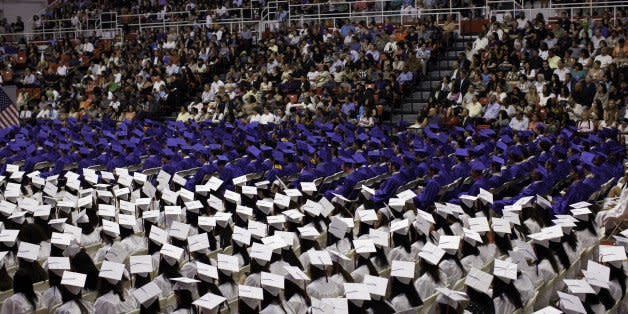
8,111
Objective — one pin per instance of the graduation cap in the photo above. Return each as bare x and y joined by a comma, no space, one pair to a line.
73,281
461,152
479,281
147,294
210,301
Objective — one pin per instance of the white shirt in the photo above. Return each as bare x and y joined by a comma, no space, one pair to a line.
73,308
62,70
604,60
519,125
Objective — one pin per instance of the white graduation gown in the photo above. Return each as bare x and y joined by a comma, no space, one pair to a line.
134,244
324,288
454,273
229,290
92,238
295,305
165,285
503,305
273,309
472,261
400,303
110,303
73,308
399,253
426,286
51,297
17,304
488,252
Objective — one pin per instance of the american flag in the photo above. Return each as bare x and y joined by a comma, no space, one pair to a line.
8,111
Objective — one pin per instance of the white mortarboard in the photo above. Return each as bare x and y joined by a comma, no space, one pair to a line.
241,180
396,203
308,187
338,257
580,204
228,263
262,184
368,216
210,301
244,211
163,177
139,177
223,218
546,234
402,270
106,210
581,213
151,215
451,297
356,291
73,185
543,202
172,210
117,253
206,223
62,240
501,226
524,201
251,295
294,194
450,244
257,229
565,224
142,203
111,271
431,253
330,306
612,254
379,237
320,259
265,205
471,236
85,201
179,230
312,208
480,281
326,206
479,224
147,294
169,197
28,251
193,206
295,273
485,196
376,285
570,303
249,190
172,253
293,215
111,228
406,195
597,275
158,235
468,199
423,215
578,286
282,200
206,272
338,227
127,207
527,251
122,192
104,195
276,242
141,264
74,282
276,221
7,208
38,181
364,246
400,226
308,232
198,242
505,270
548,310
127,221
50,189
215,203
340,199
202,189
512,217
149,189
178,179
59,264
12,168
18,217
261,252
232,197
73,230
272,282
241,236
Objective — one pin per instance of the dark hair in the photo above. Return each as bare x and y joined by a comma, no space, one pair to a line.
33,269
152,308
23,284
6,282
169,271
509,290
82,263
398,287
104,287
432,270
140,281
184,299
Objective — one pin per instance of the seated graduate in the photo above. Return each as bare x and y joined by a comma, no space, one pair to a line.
112,297
24,298
71,294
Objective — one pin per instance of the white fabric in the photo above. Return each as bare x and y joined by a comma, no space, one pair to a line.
18,303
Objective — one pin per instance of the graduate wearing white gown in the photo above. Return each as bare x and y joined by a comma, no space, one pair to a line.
18,303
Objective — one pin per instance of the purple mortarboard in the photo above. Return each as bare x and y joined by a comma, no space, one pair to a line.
396,161
254,151
479,148
587,158
498,160
168,153
362,137
575,147
213,146
172,142
443,137
515,151
573,157
594,138
116,147
335,137
477,166
84,151
346,159
359,158
224,158
265,148
49,144
461,152
278,155
64,147
506,139
559,149
31,149
138,133
251,139
373,154
487,132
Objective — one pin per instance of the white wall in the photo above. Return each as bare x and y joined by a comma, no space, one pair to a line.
24,8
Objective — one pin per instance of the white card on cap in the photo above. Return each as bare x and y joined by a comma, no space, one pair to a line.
172,210
85,201
215,203
379,237
321,258
597,275
501,225
127,207
150,214
232,196
50,189
249,190
179,230
125,180
446,242
241,180
356,291
376,285
206,223
326,207
470,234
202,189
261,251
265,205
524,201
163,177
366,215
479,280
149,189
282,200
228,262
468,199
486,196
194,206
106,210
73,230
580,204
308,187
206,270
611,253
241,235
578,286
272,280
406,195
400,226
73,279
548,310
59,263
139,177
275,241
28,251
396,203
504,269
210,301
479,224
158,235
214,183
257,229
364,246
541,201
141,264
312,208
61,238
250,292
179,180
198,242
431,253
186,195
367,191
222,217
571,303
111,270
402,269
12,168
171,251
276,219
147,294
296,273
308,232
293,214
169,196
111,227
